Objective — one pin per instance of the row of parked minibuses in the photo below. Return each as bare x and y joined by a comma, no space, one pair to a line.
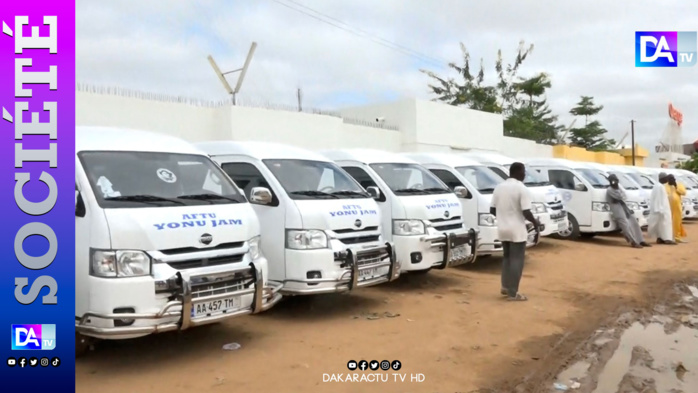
171,235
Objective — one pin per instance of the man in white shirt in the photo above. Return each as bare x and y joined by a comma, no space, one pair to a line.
511,204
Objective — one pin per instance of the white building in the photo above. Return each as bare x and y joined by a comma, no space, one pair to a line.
407,125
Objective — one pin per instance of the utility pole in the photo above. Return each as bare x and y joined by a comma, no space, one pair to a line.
243,71
299,96
632,138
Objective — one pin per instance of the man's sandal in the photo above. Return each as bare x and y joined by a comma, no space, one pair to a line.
518,298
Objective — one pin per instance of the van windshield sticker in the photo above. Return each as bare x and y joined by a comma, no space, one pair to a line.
198,220
442,203
166,175
106,187
353,210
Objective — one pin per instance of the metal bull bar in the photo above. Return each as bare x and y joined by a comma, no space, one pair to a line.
184,301
449,241
352,260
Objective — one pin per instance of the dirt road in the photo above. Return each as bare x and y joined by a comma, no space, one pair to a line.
450,326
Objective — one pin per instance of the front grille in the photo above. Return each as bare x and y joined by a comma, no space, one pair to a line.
371,258
447,224
221,287
184,250
353,236
557,206
196,263
558,215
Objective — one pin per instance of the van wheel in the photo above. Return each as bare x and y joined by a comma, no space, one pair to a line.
572,231
82,344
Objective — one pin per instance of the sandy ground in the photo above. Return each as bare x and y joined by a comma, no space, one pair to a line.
450,326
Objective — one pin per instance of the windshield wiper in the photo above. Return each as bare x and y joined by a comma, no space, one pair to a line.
436,189
631,188
486,189
411,191
313,193
352,193
207,197
143,198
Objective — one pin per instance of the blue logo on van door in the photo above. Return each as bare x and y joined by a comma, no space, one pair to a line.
442,204
198,220
353,210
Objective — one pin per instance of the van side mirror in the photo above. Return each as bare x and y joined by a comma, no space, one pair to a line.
374,192
80,210
580,187
260,196
461,192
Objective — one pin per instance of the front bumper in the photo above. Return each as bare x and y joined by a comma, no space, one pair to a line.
178,314
447,242
552,222
350,265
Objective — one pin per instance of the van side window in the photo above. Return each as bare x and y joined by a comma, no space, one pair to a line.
247,176
564,179
364,179
449,179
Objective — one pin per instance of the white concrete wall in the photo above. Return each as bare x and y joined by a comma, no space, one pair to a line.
524,148
189,122
196,123
423,125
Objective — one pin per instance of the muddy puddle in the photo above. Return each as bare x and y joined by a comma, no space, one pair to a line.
640,353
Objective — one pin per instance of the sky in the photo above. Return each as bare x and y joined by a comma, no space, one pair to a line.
373,50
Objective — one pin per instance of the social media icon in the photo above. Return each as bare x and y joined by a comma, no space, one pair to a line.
33,362
55,362
396,365
385,365
44,362
22,362
373,365
352,365
33,337
11,362
363,365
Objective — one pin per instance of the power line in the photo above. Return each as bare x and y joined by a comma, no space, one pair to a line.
362,33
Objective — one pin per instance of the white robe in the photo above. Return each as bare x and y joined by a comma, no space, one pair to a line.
659,223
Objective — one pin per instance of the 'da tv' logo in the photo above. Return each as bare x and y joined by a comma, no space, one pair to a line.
665,48
33,337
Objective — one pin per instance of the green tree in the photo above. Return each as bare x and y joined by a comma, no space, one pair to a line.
592,135
531,117
585,107
521,101
472,92
691,164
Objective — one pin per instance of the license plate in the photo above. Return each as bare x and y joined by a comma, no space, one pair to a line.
561,225
458,252
215,306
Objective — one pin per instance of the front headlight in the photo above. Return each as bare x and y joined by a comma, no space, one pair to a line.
633,205
600,207
125,263
255,252
305,239
538,208
409,227
487,220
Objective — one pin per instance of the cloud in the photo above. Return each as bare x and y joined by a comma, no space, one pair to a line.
587,47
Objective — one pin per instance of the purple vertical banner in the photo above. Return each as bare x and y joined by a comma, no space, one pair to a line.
37,161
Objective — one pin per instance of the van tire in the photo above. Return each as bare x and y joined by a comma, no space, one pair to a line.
573,232
82,345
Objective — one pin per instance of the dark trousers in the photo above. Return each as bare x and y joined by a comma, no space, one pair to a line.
512,266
